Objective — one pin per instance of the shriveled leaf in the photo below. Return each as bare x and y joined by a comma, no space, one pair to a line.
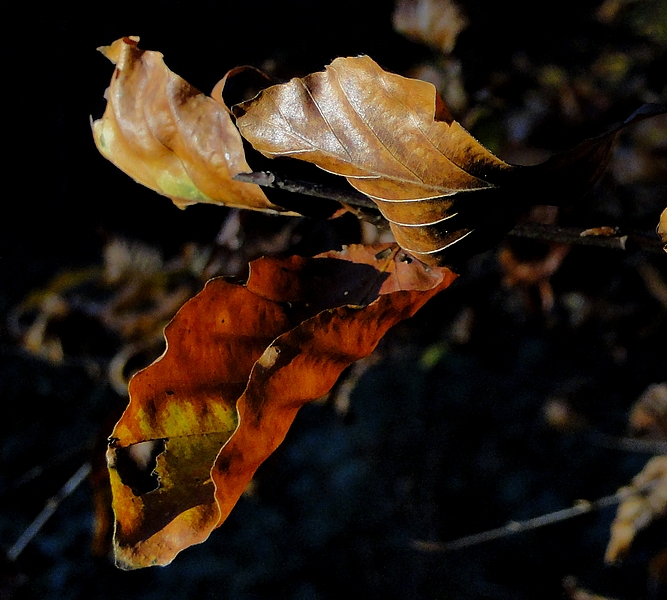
647,501
535,274
603,231
649,413
662,229
394,139
240,362
436,23
574,592
169,136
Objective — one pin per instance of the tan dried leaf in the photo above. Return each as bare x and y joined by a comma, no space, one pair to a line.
662,228
436,23
169,136
645,501
394,139
649,413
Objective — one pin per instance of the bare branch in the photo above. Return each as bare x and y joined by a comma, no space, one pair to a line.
572,235
546,233
307,188
655,447
47,512
582,507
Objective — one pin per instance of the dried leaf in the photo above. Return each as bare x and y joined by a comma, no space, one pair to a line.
394,140
574,592
533,274
392,137
662,228
604,231
647,501
649,413
436,23
241,361
169,136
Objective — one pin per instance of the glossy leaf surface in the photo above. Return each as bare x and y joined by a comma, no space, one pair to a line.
394,139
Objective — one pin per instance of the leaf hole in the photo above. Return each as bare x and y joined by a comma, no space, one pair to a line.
136,466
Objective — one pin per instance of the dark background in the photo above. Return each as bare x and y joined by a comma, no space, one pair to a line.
426,452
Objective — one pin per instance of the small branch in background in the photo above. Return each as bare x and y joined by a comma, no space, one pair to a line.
537,231
575,236
582,507
653,282
631,444
47,512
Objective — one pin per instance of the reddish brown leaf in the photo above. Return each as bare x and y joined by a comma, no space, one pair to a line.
169,136
241,361
604,231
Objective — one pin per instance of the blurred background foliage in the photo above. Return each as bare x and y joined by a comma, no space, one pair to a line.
508,396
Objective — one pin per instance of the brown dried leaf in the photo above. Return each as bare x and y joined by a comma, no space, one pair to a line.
394,140
662,228
240,362
169,136
604,231
649,413
436,23
391,137
647,501
533,274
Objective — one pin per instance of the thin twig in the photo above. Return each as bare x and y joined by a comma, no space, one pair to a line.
547,233
582,507
47,512
573,236
307,188
656,447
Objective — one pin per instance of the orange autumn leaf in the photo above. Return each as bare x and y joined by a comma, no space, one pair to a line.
169,136
394,140
240,362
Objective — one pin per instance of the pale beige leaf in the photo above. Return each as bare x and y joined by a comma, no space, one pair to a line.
649,413
646,501
436,23
662,228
